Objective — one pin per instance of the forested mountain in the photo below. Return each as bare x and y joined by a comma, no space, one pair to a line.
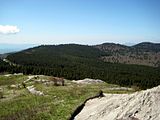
148,47
4,67
74,61
142,54
112,47
52,55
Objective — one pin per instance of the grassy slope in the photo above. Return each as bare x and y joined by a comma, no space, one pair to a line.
57,104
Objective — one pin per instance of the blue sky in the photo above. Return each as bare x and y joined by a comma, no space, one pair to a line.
80,21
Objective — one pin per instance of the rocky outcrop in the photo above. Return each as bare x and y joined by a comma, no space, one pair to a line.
79,108
88,81
33,91
143,105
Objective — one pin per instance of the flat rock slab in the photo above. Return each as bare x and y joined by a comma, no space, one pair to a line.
143,105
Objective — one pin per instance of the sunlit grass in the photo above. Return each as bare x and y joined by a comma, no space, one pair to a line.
57,104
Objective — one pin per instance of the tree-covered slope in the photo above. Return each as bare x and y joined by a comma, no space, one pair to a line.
78,61
141,54
52,55
147,47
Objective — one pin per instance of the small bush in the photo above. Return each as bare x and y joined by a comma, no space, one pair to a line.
1,94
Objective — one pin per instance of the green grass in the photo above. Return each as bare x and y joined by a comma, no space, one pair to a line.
57,104
13,79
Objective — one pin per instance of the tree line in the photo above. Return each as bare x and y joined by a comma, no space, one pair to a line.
78,62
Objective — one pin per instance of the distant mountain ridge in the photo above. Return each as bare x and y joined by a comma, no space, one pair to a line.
148,46
144,53
109,62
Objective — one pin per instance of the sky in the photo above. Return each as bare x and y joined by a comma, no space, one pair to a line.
79,21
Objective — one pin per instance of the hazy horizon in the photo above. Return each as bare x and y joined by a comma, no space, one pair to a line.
81,21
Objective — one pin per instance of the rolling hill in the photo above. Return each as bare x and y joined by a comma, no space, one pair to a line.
141,54
74,61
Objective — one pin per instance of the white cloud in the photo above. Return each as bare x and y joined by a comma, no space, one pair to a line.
8,29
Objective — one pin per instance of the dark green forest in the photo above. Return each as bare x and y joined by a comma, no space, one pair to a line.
73,61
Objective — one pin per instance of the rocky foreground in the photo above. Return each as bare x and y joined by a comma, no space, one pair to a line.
143,105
